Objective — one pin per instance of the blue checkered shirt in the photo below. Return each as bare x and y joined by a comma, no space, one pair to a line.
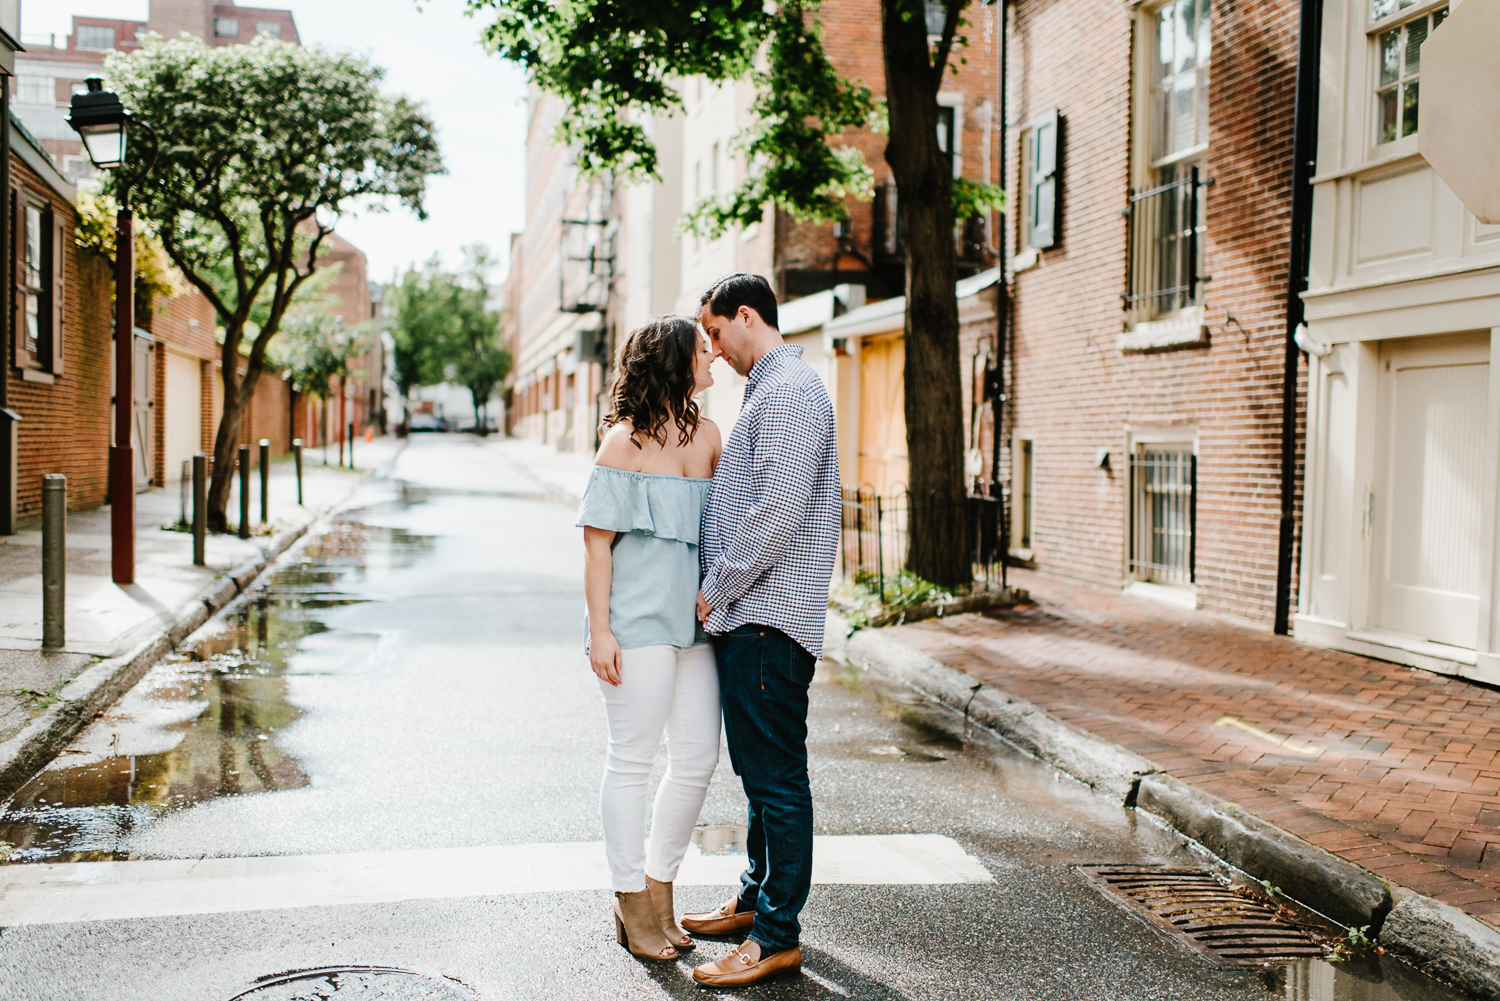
771,523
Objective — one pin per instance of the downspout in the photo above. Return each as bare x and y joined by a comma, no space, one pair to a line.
995,383
1304,160
9,436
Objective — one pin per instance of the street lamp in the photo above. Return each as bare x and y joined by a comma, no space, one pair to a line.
105,127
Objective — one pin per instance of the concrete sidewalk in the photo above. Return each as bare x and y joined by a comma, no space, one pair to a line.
106,622
1382,777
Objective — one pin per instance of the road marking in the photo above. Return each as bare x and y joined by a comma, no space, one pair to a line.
110,891
1283,742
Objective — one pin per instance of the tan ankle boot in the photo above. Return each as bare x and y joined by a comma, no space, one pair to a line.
661,899
637,929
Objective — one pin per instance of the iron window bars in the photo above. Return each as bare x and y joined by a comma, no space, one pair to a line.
1164,248
1164,514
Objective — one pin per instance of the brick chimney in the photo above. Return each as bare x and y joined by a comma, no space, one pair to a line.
170,18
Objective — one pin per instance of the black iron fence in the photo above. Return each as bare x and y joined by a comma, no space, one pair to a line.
1164,255
876,526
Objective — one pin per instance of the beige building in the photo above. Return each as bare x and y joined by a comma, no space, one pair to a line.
1403,325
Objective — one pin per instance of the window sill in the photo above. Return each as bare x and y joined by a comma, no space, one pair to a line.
1025,260
33,375
1182,597
1186,329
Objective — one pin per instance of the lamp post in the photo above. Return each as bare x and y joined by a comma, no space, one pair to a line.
105,127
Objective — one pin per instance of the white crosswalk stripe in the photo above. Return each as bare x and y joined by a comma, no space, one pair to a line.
104,891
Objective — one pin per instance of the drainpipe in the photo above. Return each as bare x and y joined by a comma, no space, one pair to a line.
9,437
996,386
1304,160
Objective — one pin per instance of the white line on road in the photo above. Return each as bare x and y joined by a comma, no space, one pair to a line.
111,891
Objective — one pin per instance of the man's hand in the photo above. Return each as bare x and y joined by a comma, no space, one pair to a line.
704,608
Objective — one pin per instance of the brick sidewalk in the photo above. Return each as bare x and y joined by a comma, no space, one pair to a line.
1384,765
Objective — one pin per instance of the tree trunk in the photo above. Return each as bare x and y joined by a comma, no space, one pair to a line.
238,392
933,383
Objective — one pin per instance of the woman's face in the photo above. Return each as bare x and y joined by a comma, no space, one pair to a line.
702,363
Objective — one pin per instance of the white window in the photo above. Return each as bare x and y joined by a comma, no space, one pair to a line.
226,27
1163,486
36,321
32,89
1398,47
272,28
78,88
95,37
77,168
1179,80
714,168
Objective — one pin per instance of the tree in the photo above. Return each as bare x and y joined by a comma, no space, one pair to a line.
443,329
263,146
613,63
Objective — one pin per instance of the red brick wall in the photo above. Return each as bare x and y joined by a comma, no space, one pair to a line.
1072,387
65,425
852,37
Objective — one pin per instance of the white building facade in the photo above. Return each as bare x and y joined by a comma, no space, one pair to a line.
1399,552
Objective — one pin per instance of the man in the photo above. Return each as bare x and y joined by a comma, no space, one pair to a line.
768,541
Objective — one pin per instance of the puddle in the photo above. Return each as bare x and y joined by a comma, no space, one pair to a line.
204,723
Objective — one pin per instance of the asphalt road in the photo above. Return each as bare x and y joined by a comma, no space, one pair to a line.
414,681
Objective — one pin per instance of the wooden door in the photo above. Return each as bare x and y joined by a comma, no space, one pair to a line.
882,414
1433,399
141,439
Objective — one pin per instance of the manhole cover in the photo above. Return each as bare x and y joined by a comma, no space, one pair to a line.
367,983
1198,910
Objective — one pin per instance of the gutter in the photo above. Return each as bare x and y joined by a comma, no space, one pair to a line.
1304,164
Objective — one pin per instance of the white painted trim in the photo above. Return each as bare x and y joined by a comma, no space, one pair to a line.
1182,597
1149,335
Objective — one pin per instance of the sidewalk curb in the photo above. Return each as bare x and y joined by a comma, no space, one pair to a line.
1436,938
42,739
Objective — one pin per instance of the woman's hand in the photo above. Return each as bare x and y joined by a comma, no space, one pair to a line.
604,657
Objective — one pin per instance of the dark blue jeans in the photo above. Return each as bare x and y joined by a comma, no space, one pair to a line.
763,679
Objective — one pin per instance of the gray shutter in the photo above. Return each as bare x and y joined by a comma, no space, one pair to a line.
59,264
1042,228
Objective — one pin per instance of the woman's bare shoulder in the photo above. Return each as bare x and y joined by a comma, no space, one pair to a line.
618,451
710,432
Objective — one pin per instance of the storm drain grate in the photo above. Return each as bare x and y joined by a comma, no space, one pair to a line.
1198,910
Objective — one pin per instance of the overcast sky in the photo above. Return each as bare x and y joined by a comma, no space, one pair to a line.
433,56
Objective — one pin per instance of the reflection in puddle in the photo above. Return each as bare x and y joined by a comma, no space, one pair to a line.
203,723
1370,978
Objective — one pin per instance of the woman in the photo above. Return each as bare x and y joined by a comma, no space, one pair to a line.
640,516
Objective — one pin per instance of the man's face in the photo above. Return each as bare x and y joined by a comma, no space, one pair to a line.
730,337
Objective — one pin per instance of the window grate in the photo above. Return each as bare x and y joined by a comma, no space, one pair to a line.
1163,516
1164,252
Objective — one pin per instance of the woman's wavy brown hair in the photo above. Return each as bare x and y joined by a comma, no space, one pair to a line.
653,381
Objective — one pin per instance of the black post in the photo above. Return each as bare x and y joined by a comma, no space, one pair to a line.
9,437
54,557
1002,292
265,480
244,491
297,460
200,509
351,444
1304,160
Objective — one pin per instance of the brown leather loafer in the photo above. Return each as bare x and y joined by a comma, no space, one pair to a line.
726,920
738,970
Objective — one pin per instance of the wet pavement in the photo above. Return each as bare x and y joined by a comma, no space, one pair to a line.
412,681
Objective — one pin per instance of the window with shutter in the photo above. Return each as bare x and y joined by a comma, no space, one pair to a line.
1044,157
59,249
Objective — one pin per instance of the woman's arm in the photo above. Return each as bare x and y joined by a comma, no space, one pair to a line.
598,565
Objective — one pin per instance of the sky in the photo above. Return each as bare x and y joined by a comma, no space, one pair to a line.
433,56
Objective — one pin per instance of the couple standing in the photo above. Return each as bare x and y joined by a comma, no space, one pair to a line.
706,576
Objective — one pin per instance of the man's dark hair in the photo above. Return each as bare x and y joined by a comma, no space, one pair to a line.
725,297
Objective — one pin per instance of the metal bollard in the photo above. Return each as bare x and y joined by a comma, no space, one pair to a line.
244,491
297,459
351,444
265,480
200,509
54,557
183,483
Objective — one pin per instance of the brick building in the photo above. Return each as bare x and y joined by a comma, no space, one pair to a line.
61,335
1149,151
577,287
180,399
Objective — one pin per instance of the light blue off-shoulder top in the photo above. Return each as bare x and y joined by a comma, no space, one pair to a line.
655,575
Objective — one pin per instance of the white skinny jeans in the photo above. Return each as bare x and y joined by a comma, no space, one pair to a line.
661,687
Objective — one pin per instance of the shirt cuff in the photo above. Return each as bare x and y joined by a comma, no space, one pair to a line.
711,593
